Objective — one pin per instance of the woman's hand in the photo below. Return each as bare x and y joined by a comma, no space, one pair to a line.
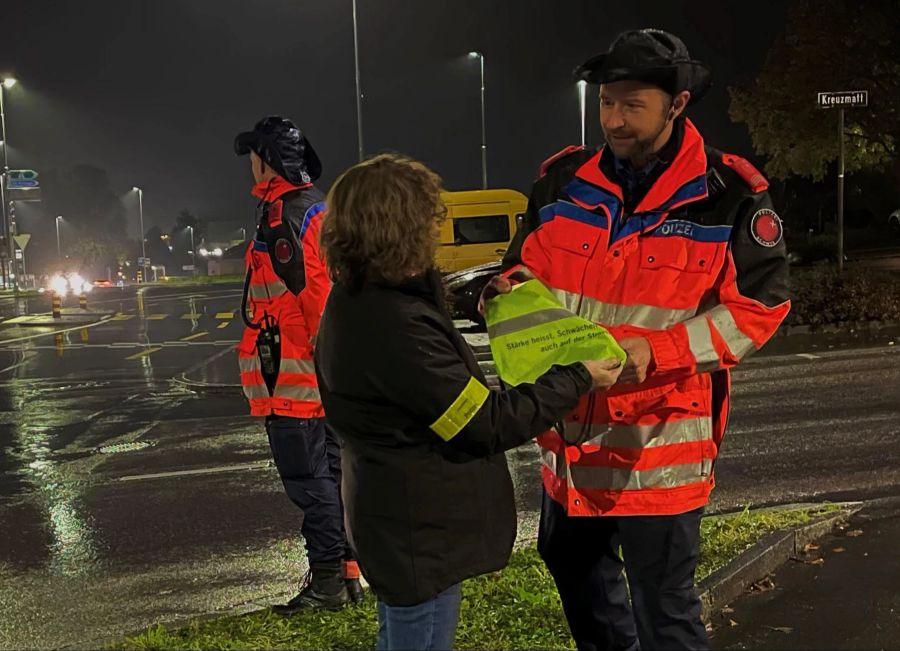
604,372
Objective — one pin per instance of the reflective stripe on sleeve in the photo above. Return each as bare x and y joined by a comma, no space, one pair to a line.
463,409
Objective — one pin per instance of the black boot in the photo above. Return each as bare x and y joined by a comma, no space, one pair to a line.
322,587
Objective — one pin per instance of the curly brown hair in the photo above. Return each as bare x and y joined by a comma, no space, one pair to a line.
382,221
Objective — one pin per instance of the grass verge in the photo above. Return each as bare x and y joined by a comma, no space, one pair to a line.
517,608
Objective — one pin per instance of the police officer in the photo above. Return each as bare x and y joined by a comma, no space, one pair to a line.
285,290
675,247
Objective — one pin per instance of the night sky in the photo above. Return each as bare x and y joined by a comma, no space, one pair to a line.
154,91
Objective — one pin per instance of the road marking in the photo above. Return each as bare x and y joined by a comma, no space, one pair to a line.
197,471
6,342
156,317
122,317
225,315
195,336
193,316
808,356
144,353
224,324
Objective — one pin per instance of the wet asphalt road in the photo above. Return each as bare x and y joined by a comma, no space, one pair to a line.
126,500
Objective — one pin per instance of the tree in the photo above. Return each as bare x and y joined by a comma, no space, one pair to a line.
186,218
839,45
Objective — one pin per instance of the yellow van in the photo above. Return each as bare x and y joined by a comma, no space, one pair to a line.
479,226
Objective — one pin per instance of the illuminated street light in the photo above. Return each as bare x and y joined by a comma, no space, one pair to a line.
582,90
480,57
9,82
143,246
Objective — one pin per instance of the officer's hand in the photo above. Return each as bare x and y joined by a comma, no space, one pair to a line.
640,356
604,372
496,285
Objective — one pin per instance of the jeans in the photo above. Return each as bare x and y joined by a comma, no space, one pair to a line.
427,626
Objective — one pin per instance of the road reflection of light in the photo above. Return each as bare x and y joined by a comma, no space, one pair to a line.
192,308
73,549
147,368
38,412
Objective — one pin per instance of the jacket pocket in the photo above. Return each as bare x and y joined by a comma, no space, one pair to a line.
680,254
573,243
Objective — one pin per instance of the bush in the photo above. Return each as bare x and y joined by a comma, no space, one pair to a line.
820,296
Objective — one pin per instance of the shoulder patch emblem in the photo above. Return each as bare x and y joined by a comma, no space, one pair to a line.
742,167
571,149
765,228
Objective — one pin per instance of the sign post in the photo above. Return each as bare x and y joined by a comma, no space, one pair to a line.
841,100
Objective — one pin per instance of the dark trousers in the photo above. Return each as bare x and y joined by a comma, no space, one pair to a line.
659,555
307,454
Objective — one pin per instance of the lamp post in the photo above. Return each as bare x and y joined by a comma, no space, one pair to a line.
582,102
480,57
143,244
58,248
5,84
359,132
193,253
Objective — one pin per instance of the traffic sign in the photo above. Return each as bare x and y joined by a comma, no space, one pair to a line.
187,267
844,99
21,179
22,240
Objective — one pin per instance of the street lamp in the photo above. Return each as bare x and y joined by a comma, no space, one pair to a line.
193,253
143,247
7,83
58,248
582,90
480,57
359,133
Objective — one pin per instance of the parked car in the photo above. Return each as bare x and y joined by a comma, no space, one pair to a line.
463,288
478,228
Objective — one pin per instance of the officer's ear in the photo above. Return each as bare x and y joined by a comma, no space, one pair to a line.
679,104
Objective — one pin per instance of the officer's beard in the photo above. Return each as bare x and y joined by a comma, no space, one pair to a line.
639,151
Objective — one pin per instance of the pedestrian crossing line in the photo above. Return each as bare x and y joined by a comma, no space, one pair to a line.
156,317
224,324
196,335
144,353
122,317
225,315
193,316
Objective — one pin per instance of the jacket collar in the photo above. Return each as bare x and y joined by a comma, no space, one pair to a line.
275,188
683,181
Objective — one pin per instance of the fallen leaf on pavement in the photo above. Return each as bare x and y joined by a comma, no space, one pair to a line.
808,547
855,533
838,549
732,622
817,561
727,609
763,586
783,629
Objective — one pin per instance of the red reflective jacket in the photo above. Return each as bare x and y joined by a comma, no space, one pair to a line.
699,269
297,315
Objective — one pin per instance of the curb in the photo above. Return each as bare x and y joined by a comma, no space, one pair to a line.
843,327
765,556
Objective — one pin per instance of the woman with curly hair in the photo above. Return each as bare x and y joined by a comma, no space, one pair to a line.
427,492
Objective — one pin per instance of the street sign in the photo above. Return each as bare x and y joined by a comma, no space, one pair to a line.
21,179
22,240
844,99
187,267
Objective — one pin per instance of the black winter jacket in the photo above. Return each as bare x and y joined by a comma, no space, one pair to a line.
425,511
